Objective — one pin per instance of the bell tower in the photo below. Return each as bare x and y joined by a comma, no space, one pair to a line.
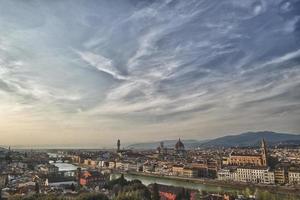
118,145
264,153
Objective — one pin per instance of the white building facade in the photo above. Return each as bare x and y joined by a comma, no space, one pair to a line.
248,174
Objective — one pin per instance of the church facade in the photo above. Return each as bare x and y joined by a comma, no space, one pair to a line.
251,160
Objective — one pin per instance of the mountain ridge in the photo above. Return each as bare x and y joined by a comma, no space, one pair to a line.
250,138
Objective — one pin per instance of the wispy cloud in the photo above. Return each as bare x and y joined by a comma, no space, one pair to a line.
101,63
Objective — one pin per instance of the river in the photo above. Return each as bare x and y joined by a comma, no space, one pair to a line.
259,193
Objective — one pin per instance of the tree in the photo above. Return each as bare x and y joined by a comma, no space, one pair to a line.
155,192
37,188
183,194
73,187
132,190
36,197
198,196
133,195
119,181
122,180
179,196
187,195
92,197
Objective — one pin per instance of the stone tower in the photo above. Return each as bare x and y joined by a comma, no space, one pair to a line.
264,153
118,145
162,144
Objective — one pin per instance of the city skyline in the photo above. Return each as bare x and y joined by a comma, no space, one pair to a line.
92,72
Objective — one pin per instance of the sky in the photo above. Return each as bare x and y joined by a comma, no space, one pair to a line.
85,73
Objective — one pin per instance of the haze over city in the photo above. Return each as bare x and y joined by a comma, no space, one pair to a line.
90,72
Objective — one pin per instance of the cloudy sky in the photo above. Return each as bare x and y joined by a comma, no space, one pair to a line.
83,72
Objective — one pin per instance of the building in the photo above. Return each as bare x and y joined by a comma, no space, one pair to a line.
91,163
20,165
179,148
202,168
111,164
242,160
76,159
281,174
92,178
120,166
3,180
190,172
207,168
249,159
48,170
255,175
264,153
132,167
224,174
162,150
294,176
180,170
148,168
247,174
177,170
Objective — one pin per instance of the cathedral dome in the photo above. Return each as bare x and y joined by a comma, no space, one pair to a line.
179,145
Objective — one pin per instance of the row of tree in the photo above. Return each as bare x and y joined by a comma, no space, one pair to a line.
120,188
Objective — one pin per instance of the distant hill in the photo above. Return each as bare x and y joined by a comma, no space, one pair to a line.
167,143
253,139
240,140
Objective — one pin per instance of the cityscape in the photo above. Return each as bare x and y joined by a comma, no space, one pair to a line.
169,173
149,100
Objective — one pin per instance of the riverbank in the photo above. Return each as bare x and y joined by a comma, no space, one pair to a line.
230,185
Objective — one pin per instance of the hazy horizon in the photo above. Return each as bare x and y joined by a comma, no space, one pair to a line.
90,72
112,144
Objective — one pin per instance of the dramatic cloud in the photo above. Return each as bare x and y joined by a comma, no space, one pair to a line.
89,72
